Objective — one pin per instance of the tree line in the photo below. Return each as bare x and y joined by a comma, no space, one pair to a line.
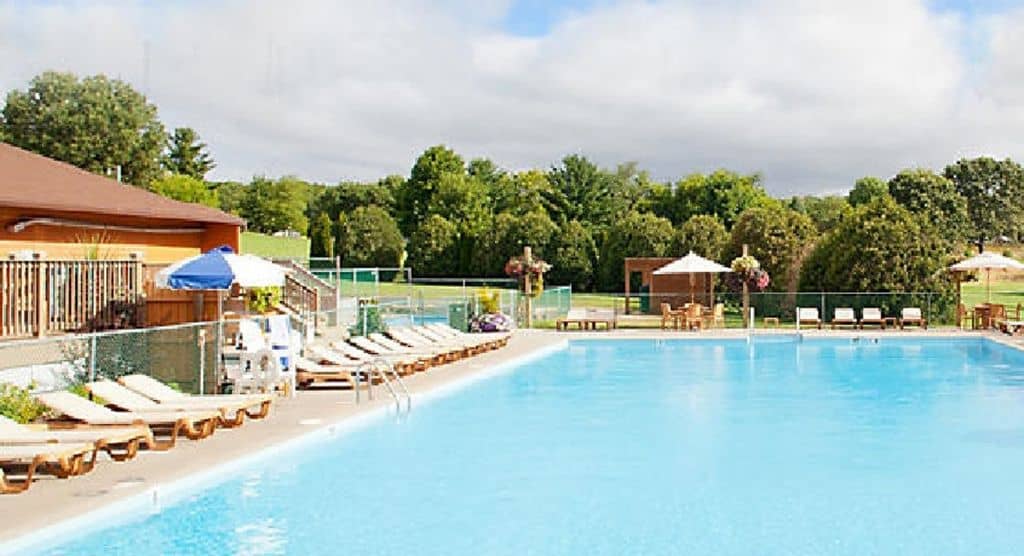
453,217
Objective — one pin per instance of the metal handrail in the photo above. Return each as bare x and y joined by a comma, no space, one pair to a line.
388,367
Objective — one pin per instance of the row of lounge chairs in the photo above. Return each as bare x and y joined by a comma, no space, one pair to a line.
408,349
870,316
141,412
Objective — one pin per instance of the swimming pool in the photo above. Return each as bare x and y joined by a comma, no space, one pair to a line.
906,446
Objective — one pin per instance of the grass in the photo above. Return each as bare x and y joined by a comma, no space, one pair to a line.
272,247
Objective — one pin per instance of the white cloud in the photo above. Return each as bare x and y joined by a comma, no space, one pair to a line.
813,94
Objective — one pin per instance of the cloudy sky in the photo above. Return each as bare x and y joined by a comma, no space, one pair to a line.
811,93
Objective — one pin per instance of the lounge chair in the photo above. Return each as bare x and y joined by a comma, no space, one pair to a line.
62,460
339,362
120,443
434,355
308,372
229,415
406,336
424,356
404,364
844,316
574,316
194,425
471,345
808,316
602,316
872,316
256,406
911,316
493,340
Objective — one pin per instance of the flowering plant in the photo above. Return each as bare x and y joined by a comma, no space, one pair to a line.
747,270
535,268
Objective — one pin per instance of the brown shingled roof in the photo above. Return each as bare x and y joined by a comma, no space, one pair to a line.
31,181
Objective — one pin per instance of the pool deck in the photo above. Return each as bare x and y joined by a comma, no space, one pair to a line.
51,501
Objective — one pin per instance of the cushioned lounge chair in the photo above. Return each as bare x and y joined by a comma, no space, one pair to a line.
404,364
460,346
493,339
574,316
122,397
808,316
911,316
872,316
375,348
309,372
60,459
340,364
194,425
844,316
435,356
120,443
406,337
256,406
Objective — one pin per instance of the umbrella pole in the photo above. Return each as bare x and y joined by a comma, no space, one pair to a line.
988,285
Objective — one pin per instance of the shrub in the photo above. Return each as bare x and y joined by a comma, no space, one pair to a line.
261,300
18,404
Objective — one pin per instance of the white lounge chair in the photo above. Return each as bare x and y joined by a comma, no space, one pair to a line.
61,459
230,414
808,316
911,316
120,443
164,394
844,316
872,316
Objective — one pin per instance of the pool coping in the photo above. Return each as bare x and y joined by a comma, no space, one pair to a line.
151,500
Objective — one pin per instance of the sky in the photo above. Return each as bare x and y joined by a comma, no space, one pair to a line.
812,94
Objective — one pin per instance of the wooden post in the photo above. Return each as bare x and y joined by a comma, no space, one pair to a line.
959,317
527,259
746,296
41,298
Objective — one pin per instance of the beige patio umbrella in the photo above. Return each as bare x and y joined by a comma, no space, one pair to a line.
692,264
988,262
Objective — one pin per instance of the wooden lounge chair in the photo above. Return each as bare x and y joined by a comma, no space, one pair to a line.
602,316
424,356
433,356
493,340
844,316
911,316
808,316
409,338
255,406
574,316
309,371
404,364
229,415
60,459
872,316
120,443
194,425
333,358
472,345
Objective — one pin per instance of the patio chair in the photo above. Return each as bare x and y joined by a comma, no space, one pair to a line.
574,316
911,316
61,460
164,394
844,316
716,319
808,316
693,318
872,316
193,425
669,315
120,443
963,316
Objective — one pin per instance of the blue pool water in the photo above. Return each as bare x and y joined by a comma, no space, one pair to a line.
643,447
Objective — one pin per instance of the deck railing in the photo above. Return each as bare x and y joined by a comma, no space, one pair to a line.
43,297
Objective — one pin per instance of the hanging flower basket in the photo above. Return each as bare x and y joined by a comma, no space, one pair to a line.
747,270
534,269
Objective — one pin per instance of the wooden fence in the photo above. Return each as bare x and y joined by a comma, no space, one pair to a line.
45,297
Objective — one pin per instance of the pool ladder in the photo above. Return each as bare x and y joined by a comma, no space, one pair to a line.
388,377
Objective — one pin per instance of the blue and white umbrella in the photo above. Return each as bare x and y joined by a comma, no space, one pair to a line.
219,269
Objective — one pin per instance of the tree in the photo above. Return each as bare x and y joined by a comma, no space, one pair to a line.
826,212
866,190
230,195
579,191
722,193
510,233
187,155
321,236
704,234
94,123
369,236
882,247
572,255
777,237
521,193
432,247
934,199
187,189
275,205
632,189
415,194
994,191
633,235
348,196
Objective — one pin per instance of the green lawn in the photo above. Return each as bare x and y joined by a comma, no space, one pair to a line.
272,247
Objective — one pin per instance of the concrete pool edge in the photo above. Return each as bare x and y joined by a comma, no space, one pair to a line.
152,500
